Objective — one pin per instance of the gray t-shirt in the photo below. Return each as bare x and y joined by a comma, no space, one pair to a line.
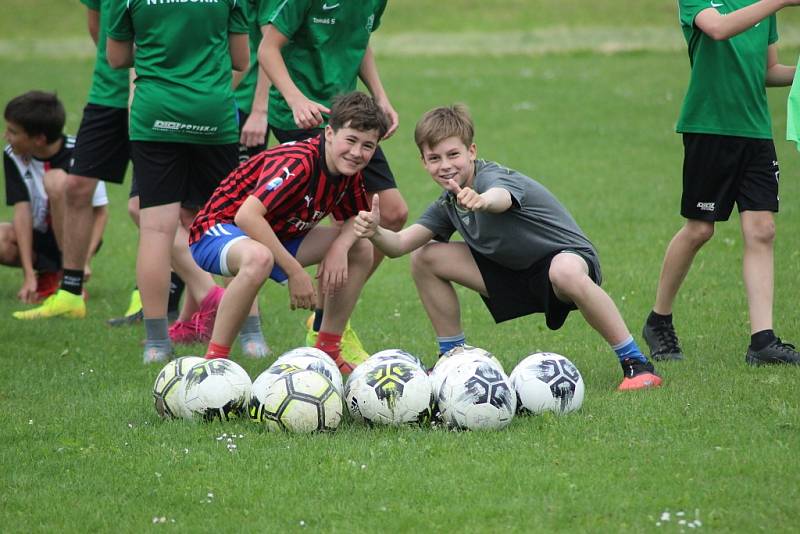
535,226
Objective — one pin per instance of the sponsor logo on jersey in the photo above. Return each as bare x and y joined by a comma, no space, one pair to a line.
175,126
705,206
158,2
328,7
274,184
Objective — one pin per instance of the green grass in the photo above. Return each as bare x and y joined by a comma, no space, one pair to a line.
83,449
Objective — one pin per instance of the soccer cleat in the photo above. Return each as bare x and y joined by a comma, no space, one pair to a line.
776,353
352,349
133,314
662,341
205,317
344,366
60,304
183,332
638,375
156,353
254,345
47,283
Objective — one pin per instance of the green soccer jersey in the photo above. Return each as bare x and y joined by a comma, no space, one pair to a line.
183,68
327,41
109,86
258,14
726,93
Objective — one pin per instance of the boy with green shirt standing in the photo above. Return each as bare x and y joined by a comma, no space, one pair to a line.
729,157
183,132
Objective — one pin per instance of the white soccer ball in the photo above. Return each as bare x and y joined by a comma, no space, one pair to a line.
546,381
458,355
298,401
167,388
216,389
476,395
397,354
316,360
390,392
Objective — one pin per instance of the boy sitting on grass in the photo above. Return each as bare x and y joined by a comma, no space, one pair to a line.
522,250
261,223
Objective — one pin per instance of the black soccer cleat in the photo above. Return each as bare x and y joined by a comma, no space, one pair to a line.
126,320
776,353
662,341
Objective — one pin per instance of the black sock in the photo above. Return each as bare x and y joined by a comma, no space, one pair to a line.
759,340
317,319
176,286
72,281
656,318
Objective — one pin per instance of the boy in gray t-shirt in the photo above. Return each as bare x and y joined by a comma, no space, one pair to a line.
522,250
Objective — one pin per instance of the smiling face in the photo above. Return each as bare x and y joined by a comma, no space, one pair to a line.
348,150
21,143
450,159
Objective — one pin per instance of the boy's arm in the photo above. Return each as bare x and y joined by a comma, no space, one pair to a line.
394,244
239,50
332,271
720,27
368,72
100,214
493,200
778,75
119,53
307,114
250,218
254,131
93,23
23,230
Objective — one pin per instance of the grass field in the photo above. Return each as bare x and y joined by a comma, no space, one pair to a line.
83,450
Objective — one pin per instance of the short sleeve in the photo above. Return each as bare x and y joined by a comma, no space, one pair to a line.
120,24
94,5
289,16
378,14
265,11
688,10
15,186
773,29
237,21
435,219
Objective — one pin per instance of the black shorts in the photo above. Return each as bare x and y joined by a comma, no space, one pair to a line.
180,172
515,294
247,152
102,149
47,254
377,174
720,170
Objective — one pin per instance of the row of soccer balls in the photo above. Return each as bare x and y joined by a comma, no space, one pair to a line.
303,390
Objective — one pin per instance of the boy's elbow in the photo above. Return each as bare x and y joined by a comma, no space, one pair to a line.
241,64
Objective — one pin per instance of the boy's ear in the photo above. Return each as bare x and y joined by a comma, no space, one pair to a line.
329,133
40,140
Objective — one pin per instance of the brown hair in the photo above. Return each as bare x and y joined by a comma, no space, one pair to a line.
38,113
358,111
440,123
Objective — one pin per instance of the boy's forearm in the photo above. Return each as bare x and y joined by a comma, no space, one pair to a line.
23,230
368,72
271,60
497,199
780,76
721,27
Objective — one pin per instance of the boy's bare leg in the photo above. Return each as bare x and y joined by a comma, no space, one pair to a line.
434,267
80,214
198,282
158,225
678,260
9,251
55,184
758,231
339,306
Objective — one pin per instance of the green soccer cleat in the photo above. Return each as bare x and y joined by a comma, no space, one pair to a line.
60,304
351,348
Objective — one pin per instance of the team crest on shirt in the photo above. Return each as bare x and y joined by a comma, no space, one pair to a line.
274,184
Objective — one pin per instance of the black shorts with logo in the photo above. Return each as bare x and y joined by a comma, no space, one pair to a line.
720,170
102,149
377,174
187,173
515,294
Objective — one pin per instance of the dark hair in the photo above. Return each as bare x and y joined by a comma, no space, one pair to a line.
358,111
440,123
38,113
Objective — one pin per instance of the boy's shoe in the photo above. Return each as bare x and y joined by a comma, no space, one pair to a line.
254,345
662,341
60,304
47,283
183,332
133,314
638,375
776,353
204,318
156,353
351,347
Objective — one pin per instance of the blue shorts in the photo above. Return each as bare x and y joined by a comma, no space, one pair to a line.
211,251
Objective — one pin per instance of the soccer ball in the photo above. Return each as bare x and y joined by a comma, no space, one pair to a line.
452,358
167,390
545,381
390,392
262,384
308,358
216,389
298,401
476,395
398,354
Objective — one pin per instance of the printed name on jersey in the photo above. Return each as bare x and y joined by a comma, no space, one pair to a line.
323,20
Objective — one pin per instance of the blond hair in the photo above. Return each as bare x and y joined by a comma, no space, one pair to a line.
440,123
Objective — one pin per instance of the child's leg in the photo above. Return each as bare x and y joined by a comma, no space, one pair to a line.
435,267
198,282
9,252
758,231
55,183
678,259
339,306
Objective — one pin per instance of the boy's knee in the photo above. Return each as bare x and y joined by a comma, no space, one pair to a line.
8,244
421,260
257,263
55,184
361,252
133,209
567,273
79,190
761,230
394,210
699,231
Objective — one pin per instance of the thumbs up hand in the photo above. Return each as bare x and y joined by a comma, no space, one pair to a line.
366,223
467,197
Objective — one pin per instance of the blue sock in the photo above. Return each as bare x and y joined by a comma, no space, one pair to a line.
629,349
447,343
317,319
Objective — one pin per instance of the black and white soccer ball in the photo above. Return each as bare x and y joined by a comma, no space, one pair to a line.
390,392
547,382
476,395
458,355
298,401
316,360
398,354
216,389
167,391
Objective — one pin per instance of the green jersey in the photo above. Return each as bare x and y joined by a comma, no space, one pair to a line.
327,41
727,93
183,68
258,14
109,86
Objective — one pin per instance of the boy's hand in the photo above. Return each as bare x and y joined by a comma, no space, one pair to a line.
307,114
332,271
366,223
468,197
301,291
254,130
27,293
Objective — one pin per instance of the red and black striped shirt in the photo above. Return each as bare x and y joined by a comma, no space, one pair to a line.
292,182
